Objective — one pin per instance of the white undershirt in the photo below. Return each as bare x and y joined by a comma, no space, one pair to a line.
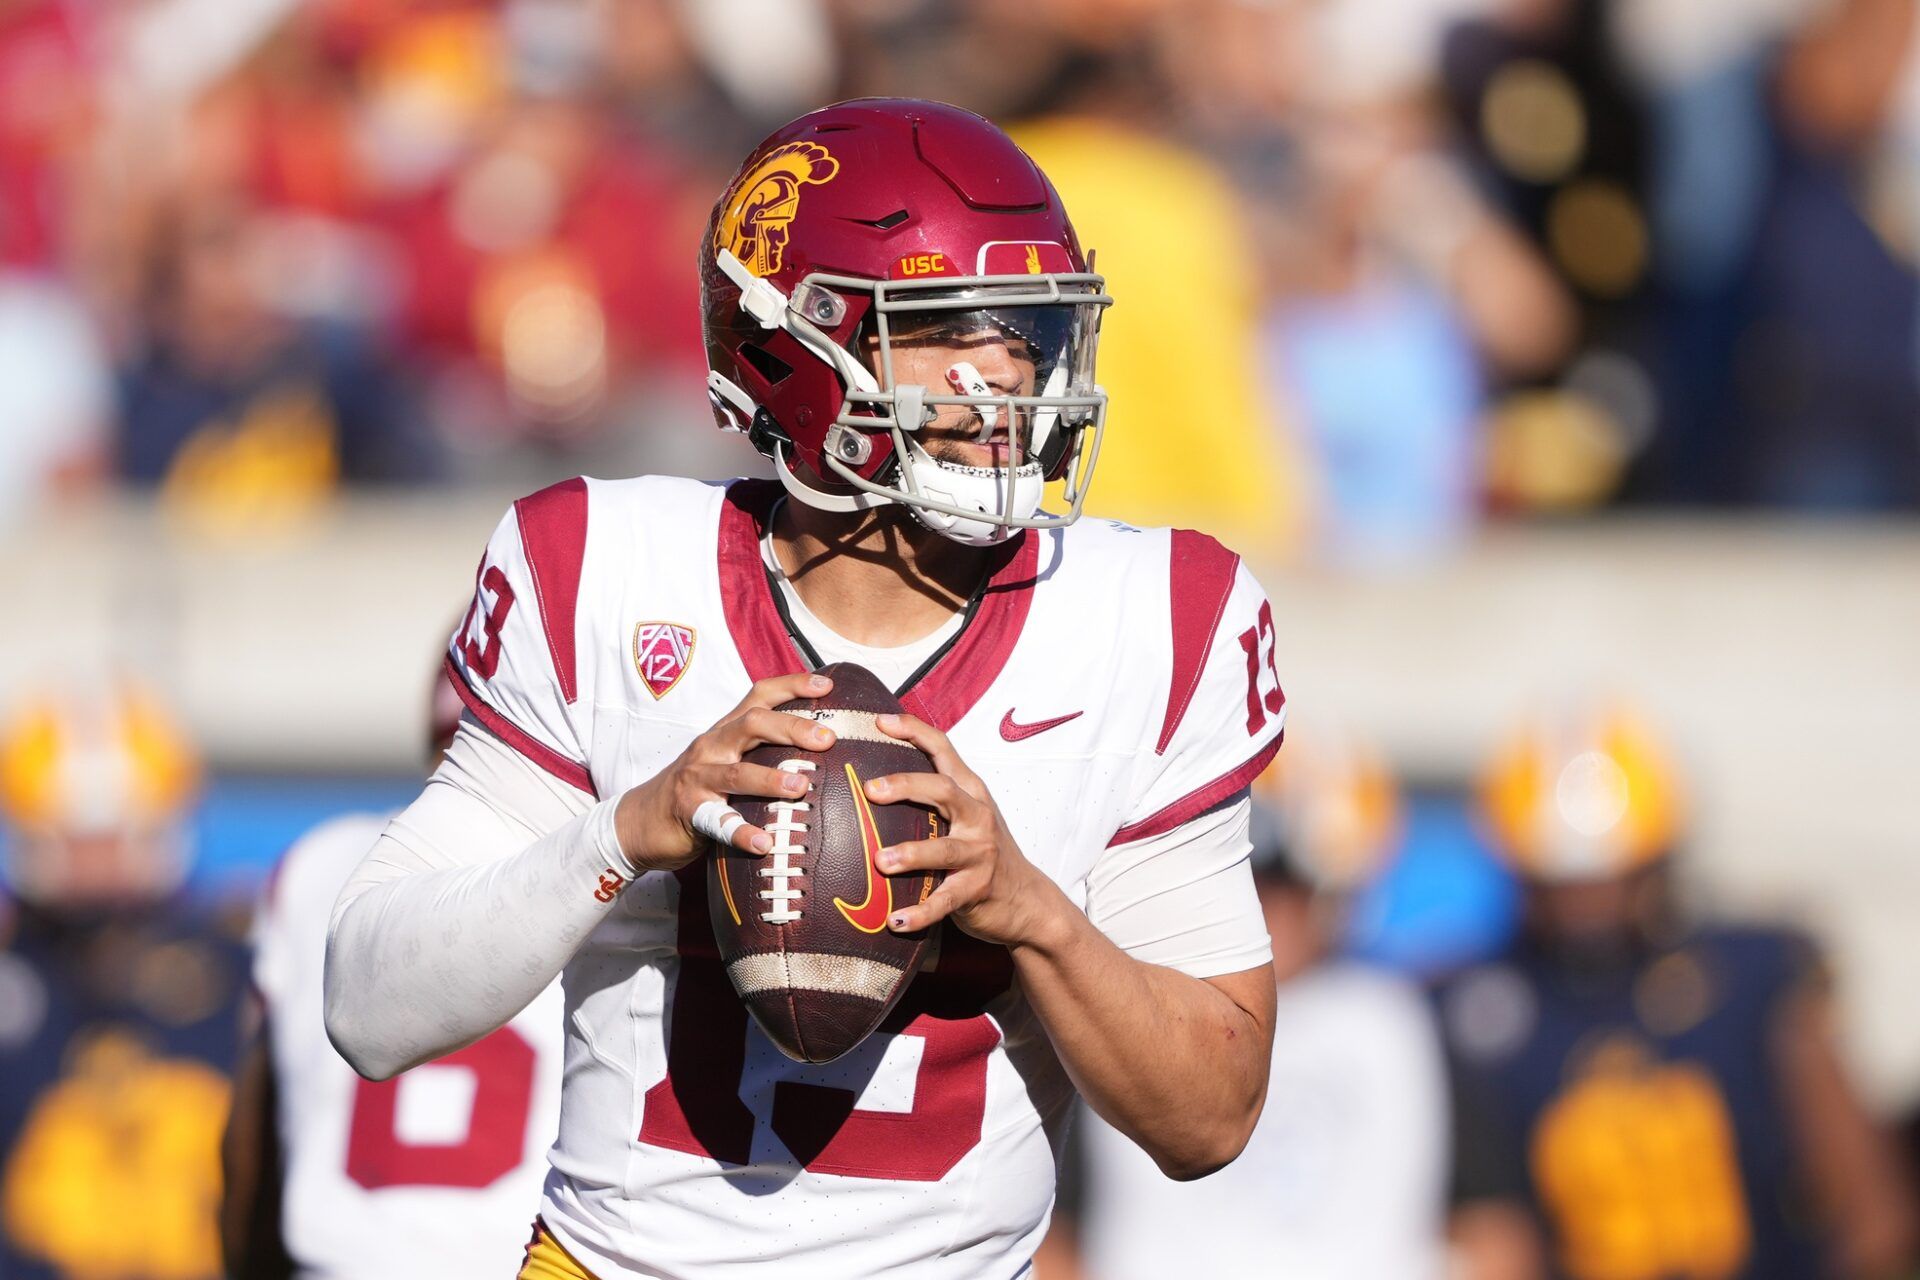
894,664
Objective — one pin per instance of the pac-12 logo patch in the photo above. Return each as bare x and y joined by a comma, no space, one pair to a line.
661,652
753,224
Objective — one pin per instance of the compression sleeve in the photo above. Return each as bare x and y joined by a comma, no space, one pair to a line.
1185,898
467,906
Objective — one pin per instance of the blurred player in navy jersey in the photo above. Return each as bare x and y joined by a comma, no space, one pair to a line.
1642,1096
117,1002
331,1177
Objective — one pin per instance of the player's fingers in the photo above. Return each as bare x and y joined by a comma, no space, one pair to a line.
779,689
744,778
935,790
950,897
936,746
760,727
721,823
941,854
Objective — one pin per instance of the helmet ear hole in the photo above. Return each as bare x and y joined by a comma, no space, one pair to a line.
765,363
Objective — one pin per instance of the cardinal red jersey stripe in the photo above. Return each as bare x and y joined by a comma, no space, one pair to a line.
962,677
1201,574
758,634
945,693
1195,803
568,771
553,532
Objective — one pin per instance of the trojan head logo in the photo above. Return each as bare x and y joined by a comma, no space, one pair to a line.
753,224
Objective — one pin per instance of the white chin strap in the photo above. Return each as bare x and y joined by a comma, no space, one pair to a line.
991,491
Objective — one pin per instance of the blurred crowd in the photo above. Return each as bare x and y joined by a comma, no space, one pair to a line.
1384,266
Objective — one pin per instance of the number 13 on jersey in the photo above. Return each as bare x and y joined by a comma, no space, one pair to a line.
697,1108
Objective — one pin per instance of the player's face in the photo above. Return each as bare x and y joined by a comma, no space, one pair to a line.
85,871
1597,916
967,353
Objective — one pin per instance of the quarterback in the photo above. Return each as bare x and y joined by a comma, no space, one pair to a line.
899,316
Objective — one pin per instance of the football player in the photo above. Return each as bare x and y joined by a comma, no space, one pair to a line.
1344,1177
334,1177
899,316
1642,1095
118,1000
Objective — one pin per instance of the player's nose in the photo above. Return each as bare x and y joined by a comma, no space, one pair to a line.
998,369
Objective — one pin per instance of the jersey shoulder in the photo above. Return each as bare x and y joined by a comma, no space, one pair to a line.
550,589
1194,646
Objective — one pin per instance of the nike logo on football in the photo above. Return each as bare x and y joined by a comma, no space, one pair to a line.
870,914
1015,732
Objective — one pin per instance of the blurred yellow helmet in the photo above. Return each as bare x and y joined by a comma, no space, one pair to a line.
96,788
1583,795
1335,805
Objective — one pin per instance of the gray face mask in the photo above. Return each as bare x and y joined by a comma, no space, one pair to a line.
1051,319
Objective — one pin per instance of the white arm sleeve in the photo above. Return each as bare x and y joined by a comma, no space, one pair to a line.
1185,899
468,905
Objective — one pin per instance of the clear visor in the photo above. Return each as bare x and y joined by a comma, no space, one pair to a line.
992,361
1018,350
982,373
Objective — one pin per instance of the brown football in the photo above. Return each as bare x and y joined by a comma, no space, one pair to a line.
803,930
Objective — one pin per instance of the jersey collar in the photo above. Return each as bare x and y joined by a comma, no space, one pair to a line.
942,695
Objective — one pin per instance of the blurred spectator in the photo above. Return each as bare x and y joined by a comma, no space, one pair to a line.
1376,259
1540,98
1640,1094
48,103
557,257
1829,390
1345,1174
240,413
1395,292
55,394
117,1001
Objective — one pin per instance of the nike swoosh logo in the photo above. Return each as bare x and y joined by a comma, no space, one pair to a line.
870,914
1015,732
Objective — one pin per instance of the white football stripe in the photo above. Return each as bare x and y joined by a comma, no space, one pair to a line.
813,971
854,726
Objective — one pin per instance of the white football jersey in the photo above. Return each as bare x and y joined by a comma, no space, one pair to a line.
1111,683
436,1172
1344,1178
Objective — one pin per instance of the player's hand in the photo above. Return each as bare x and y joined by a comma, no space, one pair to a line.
990,889
655,820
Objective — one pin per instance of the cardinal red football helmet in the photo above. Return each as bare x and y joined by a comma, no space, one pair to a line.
874,226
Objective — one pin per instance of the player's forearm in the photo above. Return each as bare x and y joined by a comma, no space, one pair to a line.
1172,1061
423,961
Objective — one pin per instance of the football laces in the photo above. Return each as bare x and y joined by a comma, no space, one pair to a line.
783,895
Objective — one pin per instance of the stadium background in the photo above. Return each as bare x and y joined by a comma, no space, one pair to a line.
1526,346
